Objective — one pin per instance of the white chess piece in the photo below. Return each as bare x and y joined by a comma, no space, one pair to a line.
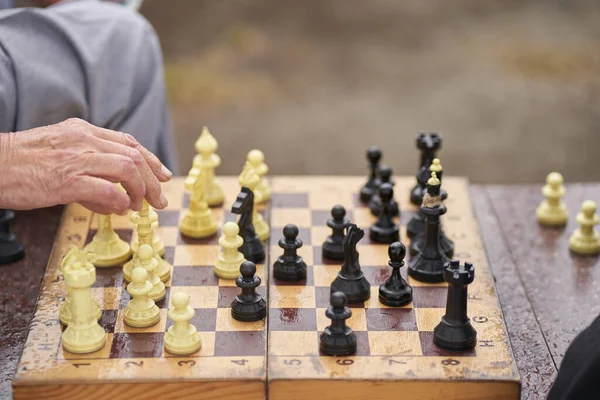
182,338
228,263
141,312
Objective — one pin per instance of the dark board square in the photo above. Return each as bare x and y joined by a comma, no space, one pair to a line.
318,257
205,320
227,294
164,303
320,217
289,200
168,218
136,345
377,275
185,202
323,295
431,350
277,233
234,344
309,281
109,277
429,296
293,319
362,344
213,239
391,319
194,276
169,255
108,320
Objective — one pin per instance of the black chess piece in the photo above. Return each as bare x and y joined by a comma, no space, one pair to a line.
447,245
367,191
455,332
428,265
385,230
385,176
429,144
290,266
338,339
248,306
350,280
333,247
253,249
395,291
11,249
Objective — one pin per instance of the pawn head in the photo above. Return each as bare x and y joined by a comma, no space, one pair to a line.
180,300
338,300
385,173
290,232
554,179
231,229
338,212
386,192
248,269
397,252
255,157
145,252
374,154
588,208
139,275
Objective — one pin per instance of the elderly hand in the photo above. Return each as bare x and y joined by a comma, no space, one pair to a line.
76,162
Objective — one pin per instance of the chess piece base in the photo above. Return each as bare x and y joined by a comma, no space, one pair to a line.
394,297
81,340
163,270
289,272
447,245
11,250
198,226
228,269
249,312
357,290
141,318
454,337
333,251
64,315
158,292
109,253
584,245
337,345
183,345
388,235
552,216
426,269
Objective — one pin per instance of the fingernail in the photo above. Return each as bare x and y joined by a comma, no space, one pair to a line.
163,200
166,172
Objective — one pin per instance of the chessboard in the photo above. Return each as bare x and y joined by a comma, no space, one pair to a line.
277,358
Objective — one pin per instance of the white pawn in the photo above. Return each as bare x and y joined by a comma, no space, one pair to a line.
145,259
141,312
256,158
182,338
228,263
552,211
585,240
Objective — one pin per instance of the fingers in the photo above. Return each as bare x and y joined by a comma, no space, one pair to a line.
97,193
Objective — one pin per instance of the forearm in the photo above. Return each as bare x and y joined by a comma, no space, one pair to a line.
6,160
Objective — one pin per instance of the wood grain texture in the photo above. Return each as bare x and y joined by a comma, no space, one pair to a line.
535,363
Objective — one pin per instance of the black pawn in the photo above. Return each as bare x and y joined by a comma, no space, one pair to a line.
290,266
333,247
385,175
455,332
368,190
429,144
248,306
338,339
11,249
350,280
252,249
395,291
385,230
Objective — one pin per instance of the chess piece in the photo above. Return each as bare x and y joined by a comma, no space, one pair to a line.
248,306
141,311
198,221
228,263
369,189
11,249
144,221
385,175
428,265
395,291
385,230
157,243
552,211
252,248
182,338
585,240
256,158
290,266
109,248
338,339
64,314
429,144
248,178
350,280
206,160
455,332
333,247
145,259
83,333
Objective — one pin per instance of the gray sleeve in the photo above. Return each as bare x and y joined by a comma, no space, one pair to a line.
8,94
